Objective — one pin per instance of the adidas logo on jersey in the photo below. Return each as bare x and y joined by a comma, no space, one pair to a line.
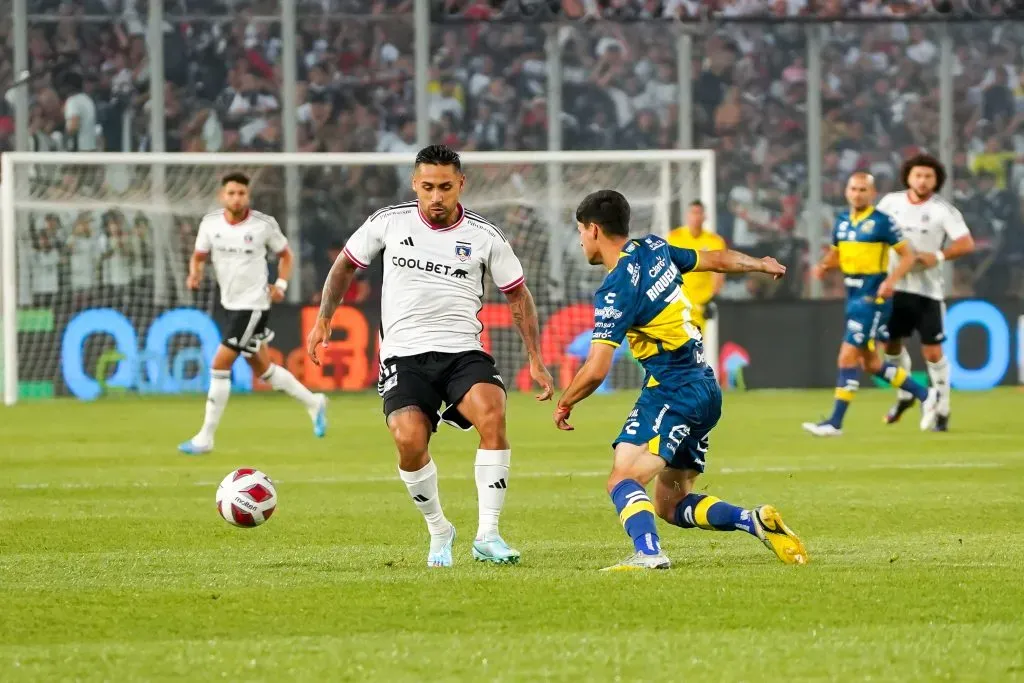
407,242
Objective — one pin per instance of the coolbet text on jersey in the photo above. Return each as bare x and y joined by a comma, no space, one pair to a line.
863,240
642,300
434,277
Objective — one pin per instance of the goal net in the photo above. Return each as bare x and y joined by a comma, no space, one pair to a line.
95,252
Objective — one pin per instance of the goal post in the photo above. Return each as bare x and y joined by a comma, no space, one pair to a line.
110,234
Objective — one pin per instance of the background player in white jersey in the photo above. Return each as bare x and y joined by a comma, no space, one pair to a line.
239,239
436,256
936,231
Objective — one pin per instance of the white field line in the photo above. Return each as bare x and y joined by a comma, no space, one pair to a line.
537,475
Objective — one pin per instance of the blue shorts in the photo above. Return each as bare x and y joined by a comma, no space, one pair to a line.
867,321
675,422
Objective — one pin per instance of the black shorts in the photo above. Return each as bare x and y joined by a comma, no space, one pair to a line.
246,331
427,380
915,313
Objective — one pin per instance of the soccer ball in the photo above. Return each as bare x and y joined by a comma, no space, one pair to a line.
246,497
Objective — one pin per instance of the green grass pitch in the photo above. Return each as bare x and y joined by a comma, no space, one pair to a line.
115,566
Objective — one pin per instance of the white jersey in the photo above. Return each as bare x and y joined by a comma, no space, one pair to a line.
433,277
239,252
926,225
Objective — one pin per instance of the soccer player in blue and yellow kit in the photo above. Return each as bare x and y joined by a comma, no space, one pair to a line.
666,435
861,240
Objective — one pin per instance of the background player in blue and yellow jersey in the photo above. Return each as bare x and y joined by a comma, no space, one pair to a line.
666,435
861,239
700,287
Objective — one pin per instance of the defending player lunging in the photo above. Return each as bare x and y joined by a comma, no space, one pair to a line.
861,240
927,221
437,254
666,435
238,239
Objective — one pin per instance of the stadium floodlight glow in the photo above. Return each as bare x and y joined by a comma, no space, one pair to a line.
531,196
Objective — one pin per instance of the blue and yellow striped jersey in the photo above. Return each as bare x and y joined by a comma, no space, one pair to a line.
642,300
863,240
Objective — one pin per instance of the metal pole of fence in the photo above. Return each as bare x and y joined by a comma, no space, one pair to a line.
946,138
160,223
686,186
20,28
556,246
421,51
814,207
289,123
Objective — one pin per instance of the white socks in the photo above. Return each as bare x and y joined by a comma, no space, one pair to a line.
422,486
220,389
282,380
216,402
938,373
491,484
902,360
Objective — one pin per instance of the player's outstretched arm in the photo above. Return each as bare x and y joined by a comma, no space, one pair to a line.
524,315
338,282
729,261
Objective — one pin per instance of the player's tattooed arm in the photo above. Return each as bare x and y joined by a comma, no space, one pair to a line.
338,281
729,261
524,315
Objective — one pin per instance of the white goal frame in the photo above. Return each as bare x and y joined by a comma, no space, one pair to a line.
12,162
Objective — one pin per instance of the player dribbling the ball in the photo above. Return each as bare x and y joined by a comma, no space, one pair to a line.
436,255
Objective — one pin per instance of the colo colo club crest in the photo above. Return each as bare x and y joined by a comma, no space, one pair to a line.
463,250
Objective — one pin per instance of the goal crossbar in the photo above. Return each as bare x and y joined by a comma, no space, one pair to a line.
704,156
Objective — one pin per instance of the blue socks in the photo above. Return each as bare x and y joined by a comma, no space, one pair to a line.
636,512
707,512
846,387
900,378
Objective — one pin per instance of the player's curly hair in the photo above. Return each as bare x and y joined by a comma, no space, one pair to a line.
928,161
439,155
607,209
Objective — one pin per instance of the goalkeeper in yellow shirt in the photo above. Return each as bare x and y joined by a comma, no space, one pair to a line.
700,288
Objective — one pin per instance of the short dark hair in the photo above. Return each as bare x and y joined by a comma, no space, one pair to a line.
928,161
439,155
607,209
236,177
696,202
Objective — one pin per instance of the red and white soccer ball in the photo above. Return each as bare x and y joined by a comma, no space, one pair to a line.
246,497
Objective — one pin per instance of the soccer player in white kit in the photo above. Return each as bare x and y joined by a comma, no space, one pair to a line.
238,239
936,230
437,255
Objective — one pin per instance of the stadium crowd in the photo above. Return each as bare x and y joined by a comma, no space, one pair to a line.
488,91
